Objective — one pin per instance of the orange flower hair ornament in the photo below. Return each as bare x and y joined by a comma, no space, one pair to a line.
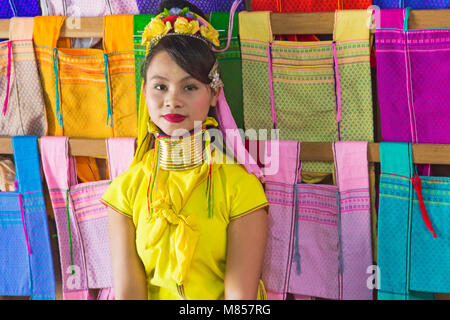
177,22
183,22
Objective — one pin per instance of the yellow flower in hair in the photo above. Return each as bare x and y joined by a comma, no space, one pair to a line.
211,34
155,28
183,26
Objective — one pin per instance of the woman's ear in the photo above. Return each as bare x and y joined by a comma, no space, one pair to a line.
215,93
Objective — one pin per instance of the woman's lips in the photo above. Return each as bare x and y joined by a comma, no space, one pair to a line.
173,117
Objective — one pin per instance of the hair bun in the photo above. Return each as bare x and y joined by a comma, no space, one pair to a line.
169,4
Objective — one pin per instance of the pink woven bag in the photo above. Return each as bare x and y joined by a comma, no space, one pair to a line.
22,103
81,219
320,237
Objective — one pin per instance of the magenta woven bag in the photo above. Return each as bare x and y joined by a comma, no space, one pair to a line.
413,71
319,242
81,219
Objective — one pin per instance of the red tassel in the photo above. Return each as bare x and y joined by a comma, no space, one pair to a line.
417,183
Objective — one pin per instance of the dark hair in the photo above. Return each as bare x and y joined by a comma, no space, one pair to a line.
181,4
192,55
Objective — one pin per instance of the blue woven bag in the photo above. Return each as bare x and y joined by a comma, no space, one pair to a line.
19,8
26,265
413,228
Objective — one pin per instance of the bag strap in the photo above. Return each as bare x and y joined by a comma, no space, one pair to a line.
354,228
351,163
117,33
21,28
287,155
28,179
233,9
396,158
390,19
120,154
27,165
255,25
352,25
47,30
59,166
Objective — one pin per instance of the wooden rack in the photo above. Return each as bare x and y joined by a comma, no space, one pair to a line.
282,23
311,151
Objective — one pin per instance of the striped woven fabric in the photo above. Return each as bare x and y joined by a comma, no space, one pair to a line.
140,52
414,4
81,219
413,256
25,256
309,5
319,241
21,95
19,8
74,80
317,92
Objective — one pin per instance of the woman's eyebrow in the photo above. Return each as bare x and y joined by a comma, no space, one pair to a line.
188,77
159,77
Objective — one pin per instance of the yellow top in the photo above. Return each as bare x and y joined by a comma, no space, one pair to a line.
182,249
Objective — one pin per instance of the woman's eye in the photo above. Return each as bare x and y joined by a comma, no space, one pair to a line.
190,87
160,87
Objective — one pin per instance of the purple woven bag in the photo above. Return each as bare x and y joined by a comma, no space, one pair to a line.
413,71
319,241
206,6
88,8
19,8
81,219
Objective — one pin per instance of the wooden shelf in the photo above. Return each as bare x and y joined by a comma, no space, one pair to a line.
311,151
282,23
323,22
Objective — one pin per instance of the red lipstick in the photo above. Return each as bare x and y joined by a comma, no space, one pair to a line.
173,117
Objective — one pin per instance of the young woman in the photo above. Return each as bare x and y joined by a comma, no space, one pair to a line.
191,226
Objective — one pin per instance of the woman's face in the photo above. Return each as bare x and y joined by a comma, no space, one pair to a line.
176,101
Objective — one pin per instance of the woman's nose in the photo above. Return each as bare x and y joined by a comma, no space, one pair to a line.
173,99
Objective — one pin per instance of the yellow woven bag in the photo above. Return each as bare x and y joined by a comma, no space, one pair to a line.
89,93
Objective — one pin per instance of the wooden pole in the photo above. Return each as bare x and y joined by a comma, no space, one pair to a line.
311,151
282,23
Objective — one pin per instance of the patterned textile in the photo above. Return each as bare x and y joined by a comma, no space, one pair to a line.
319,235
415,64
81,219
88,8
317,91
89,93
26,265
19,8
414,4
206,6
21,96
230,64
139,22
148,6
412,262
308,5
101,8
